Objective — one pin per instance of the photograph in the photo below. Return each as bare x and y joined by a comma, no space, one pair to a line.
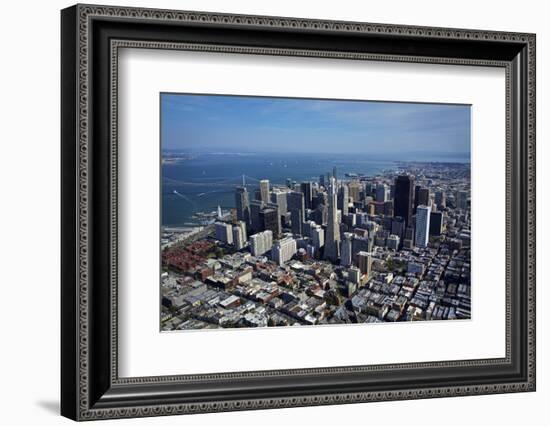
295,211
265,208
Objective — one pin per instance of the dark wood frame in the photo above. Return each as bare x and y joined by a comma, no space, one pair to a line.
90,386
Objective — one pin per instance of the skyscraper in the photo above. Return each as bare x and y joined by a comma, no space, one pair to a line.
462,200
422,228
320,214
261,243
243,204
270,220
255,221
321,198
354,191
392,242
343,199
388,208
403,199
264,190
332,240
440,199
422,197
279,197
354,274
223,232
305,188
382,192
398,227
296,207
283,250
238,237
318,237
346,257
364,262
436,223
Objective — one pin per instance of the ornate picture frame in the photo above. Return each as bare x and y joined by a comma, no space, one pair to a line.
90,39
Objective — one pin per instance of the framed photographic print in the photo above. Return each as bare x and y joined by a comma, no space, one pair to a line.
263,212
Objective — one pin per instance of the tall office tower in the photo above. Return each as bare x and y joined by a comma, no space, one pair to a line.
422,197
311,251
223,232
322,198
436,223
318,237
257,195
354,274
461,200
261,243
314,192
320,214
279,197
362,219
364,262
350,220
296,221
398,227
386,222
332,240
371,209
440,199
416,189
278,217
264,190
270,220
238,237
296,207
343,199
382,192
392,242
255,221
307,227
422,228
409,233
283,250
388,208
305,188
322,180
289,183
346,249
369,188
318,199
243,227
355,188
380,238
361,244
334,175
243,204
403,200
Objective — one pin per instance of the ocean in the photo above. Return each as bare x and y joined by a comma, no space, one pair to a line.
204,181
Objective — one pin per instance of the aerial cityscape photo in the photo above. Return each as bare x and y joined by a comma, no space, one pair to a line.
295,212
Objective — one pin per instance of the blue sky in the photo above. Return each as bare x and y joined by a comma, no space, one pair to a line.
212,123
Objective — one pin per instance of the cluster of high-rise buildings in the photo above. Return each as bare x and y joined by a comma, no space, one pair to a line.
334,220
396,244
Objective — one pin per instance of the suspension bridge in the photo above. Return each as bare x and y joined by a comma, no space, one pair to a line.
242,180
